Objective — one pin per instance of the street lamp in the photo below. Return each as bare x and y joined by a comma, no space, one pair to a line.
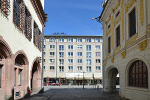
83,77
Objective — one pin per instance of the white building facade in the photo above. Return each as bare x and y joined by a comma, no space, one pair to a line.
21,28
66,56
126,31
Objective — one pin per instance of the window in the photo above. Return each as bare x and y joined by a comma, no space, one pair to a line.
108,26
88,48
132,21
138,74
79,60
117,14
79,46
88,61
44,60
79,39
44,53
44,39
70,68
52,46
0,58
52,53
79,53
52,60
118,36
70,60
98,61
61,61
21,17
70,39
61,54
98,68
70,46
61,40
0,76
19,77
79,68
88,69
44,46
52,39
51,67
88,55
61,47
4,6
61,68
97,47
88,40
109,45
98,54
44,67
70,53
97,40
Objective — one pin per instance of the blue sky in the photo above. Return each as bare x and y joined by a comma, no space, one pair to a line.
73,17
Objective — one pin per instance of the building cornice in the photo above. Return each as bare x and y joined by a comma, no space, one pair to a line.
39,10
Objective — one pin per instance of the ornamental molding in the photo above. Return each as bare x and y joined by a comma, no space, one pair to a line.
108,31
117,20
141,12
108,20
105,39
117,50
108,55
123,54
112,60
143,45
131,41
122,16
105,63
112,29
118,4
129,4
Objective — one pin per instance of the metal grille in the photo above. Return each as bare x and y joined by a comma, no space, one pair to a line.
5,6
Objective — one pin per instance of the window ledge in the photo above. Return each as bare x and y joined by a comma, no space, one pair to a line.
136,89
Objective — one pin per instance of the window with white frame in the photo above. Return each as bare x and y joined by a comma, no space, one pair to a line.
70,46
61,39
52,53
61,68
79,67
79,60
88,39
52,46
88,55
79,53
98,54
52,39
88,69
52,67
88,48
70,53
97,47
70,60
61,47
61,54
88,61
97,40
98,68
61,61
52,60
70,39
79,46
70,68
79,39
98,61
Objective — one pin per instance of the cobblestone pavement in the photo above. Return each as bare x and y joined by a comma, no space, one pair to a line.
75,93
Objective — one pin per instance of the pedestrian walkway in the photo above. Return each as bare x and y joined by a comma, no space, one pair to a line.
74,93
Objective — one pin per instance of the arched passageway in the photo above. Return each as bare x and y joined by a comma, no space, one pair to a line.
111,80
36,76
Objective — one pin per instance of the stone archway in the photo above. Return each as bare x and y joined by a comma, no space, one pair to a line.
36,76
110,79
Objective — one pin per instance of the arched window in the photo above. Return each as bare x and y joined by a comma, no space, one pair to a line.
138,74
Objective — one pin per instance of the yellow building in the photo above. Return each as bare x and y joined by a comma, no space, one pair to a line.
126,31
